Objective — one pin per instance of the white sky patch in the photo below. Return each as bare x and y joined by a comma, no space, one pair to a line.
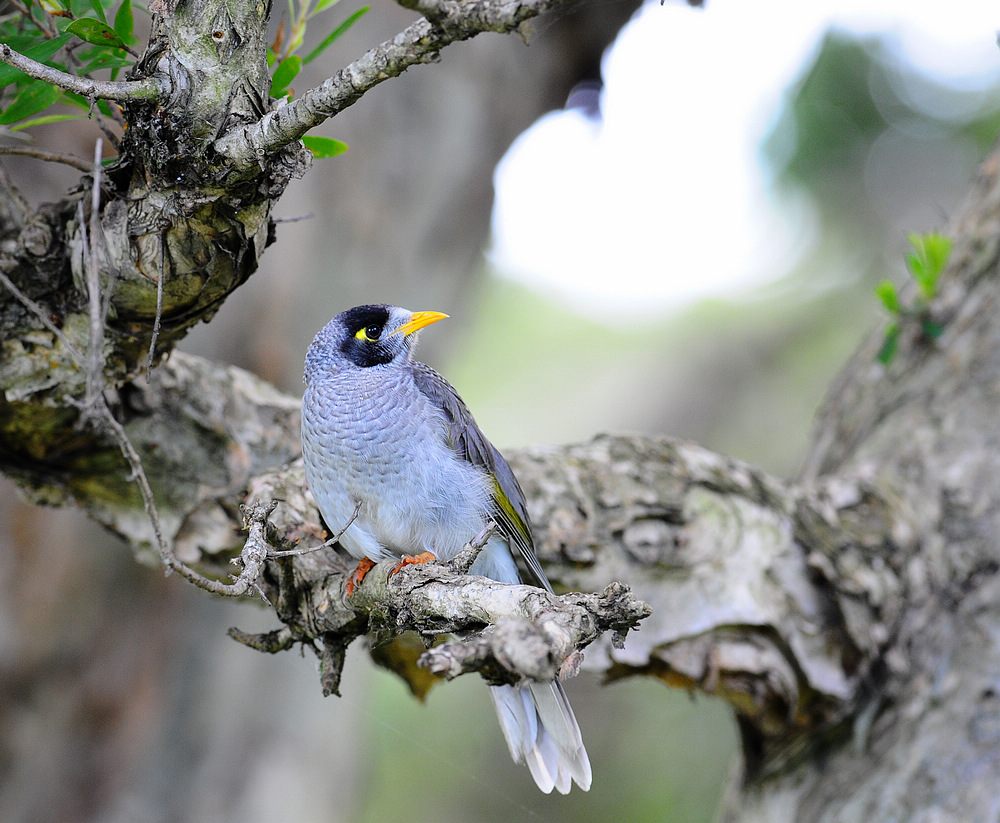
666,199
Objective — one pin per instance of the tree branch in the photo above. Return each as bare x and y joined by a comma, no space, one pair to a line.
148,89
420,42
49,156
507,633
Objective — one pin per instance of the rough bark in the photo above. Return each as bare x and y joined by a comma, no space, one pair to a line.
850,617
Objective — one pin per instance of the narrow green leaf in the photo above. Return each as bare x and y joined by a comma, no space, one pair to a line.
323,5
124,21
887,294
30,100
324,146
286,72
337,32
94,31
48,118
99,10
928,261
42,52
889,345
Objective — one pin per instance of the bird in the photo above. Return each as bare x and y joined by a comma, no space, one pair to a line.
389,441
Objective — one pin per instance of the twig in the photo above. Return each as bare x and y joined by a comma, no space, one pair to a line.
463,561
421,42
96,408
95,376
42,315
49,156
295,218
159,304
148,88
327,544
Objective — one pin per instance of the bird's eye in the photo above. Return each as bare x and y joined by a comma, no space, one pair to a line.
369,333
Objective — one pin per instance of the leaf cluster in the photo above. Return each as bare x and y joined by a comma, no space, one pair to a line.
925,264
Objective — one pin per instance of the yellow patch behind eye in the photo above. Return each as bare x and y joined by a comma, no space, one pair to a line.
362,336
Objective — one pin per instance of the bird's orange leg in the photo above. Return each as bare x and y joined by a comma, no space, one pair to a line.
413,560
364,566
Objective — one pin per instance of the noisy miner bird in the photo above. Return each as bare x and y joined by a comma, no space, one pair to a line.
387,436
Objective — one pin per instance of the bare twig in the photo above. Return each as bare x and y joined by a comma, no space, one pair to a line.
420,42
149,88
325,545
95,376
48,156
159,303
96,408
463,561
295,218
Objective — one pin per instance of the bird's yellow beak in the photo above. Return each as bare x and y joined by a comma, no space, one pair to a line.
419,320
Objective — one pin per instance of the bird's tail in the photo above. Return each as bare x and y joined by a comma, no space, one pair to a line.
540,730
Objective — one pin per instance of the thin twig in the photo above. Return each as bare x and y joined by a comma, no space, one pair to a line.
95,376
42,315
49,156
326,545
294,218
159,304
95,405
148,88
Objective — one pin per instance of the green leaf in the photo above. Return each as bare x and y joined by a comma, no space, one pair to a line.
889,296
52,6
30,100
323,6
96,32
889,345
337,32
284,75
99,11
48,118
124,21
42,52
324,146
929,259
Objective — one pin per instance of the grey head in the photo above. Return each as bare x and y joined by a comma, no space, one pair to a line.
365,337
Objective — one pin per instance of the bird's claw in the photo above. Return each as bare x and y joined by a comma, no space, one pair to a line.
412,560
364,566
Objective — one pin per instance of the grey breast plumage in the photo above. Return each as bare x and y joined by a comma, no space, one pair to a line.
390,436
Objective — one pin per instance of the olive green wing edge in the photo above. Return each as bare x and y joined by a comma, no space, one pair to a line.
467,439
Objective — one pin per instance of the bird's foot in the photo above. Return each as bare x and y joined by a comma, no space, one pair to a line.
413,560
364,566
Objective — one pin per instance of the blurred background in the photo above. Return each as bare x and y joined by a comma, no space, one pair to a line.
661,220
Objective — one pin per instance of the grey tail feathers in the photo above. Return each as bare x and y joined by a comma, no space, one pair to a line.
540,730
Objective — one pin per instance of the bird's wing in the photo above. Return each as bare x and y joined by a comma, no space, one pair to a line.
467,439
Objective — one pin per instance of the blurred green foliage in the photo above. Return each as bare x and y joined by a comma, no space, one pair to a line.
925,265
